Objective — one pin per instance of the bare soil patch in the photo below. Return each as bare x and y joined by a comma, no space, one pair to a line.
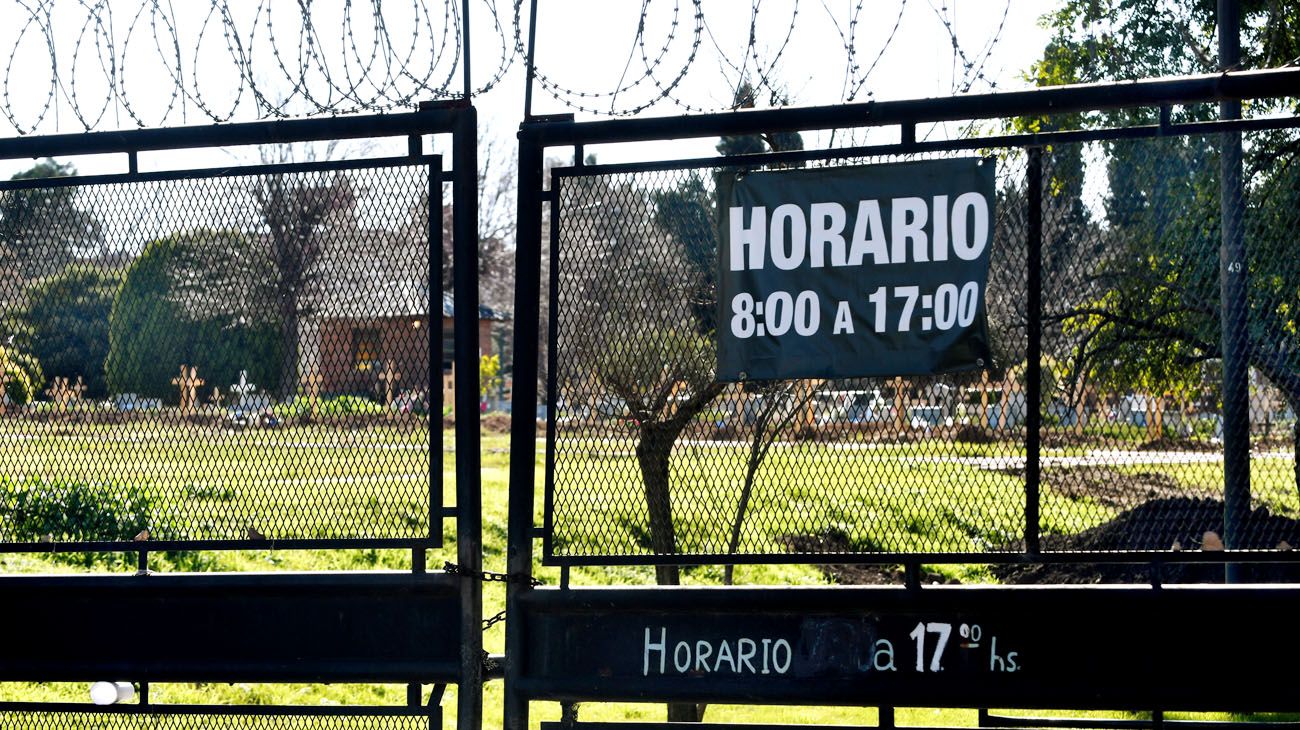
1112,488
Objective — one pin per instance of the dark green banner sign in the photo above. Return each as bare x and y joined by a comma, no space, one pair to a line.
855,271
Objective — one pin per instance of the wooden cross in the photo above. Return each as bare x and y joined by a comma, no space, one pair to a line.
312,382
984,399
188,382
58,392
75,391
389,376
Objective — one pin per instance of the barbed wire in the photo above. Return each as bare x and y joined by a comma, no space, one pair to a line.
81,65
101,63
757,61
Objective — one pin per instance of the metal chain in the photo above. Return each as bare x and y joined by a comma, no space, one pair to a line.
494,620
487,576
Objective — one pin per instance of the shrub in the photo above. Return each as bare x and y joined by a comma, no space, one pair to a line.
151,336
25,375
36,510
337,407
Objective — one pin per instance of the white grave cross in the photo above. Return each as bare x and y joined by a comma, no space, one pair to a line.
244,388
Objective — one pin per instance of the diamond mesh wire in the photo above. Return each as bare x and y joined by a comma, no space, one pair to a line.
223,357
163,721
1131,441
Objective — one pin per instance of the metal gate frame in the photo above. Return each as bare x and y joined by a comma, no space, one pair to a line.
409,595
538,134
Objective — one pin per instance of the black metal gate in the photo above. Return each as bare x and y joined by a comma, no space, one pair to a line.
1127,431
253,362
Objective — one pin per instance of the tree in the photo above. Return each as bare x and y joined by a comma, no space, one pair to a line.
630,319
287,262
655,288
666,374
497,184
303,246
151,334
63,322
688,211
1155,319
42,230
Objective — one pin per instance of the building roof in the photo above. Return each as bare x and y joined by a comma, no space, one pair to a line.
449,310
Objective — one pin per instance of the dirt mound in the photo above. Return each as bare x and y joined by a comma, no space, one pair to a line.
1162,524
1168,523
1166,443
1112,488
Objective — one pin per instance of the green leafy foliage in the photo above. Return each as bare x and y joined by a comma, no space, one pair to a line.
64,323
151,334
337,407
65,511
25,377
1154,318
489,374
1154,321
42,229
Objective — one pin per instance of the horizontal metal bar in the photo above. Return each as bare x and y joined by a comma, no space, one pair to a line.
432,121
1043,101
380,626
109,546
1107,723
240,710
1081,723
1031,647
678,726
1116,557
328,580
948,145
1100,724
220,172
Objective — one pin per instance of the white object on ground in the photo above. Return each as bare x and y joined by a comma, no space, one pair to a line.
109,693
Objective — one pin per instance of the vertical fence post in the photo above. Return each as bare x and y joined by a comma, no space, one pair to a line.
1034,350
469,497
523,424
1233,303
467,76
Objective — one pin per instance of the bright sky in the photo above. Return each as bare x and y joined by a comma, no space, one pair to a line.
586,45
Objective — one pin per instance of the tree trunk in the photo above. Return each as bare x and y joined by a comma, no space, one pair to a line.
652,455
289,339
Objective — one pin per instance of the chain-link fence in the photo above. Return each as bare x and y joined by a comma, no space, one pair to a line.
1130,452
161,720
227,356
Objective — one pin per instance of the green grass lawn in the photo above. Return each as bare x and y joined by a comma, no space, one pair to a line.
312,482
299,482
